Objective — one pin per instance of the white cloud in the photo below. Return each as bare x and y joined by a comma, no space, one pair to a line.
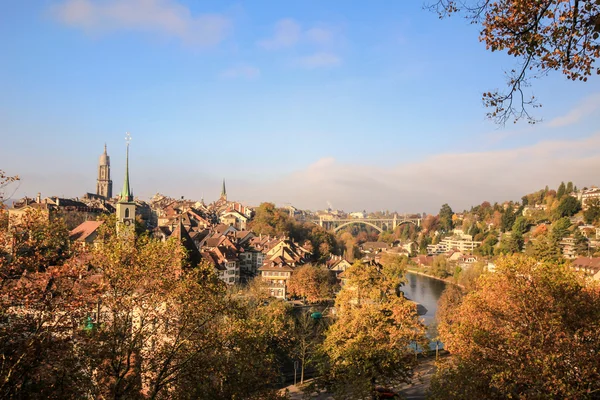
241,71
165,17
460,179
287,34
319,60
587,107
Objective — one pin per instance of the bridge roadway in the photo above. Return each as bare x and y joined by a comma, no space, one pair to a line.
380,224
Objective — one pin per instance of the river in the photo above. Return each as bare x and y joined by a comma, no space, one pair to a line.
425,291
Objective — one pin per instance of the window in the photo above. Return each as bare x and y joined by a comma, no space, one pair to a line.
127,213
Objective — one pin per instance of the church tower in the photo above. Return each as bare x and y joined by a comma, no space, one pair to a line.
126,205
104,184
223,192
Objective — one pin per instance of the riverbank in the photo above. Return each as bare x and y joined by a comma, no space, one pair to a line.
446,280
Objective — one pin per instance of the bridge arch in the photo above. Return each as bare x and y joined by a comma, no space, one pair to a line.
357,222
408,221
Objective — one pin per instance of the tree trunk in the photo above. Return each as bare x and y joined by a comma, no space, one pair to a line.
302,371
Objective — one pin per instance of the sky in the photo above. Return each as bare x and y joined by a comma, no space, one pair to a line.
361,105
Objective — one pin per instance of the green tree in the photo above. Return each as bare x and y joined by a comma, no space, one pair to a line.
529,330
568,207
560,228
488,245
569,188
560,192
508,219
582,244
445,216
511,243
546,248
520,225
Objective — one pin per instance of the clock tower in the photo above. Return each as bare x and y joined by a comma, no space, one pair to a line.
126,205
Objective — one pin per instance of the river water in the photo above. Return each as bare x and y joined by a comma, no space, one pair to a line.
425,291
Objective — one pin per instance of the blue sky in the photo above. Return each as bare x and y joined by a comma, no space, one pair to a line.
367,105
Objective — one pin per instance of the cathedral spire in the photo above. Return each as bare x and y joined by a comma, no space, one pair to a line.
103,183
127,194
223,191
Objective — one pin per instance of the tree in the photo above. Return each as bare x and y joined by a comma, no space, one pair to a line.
547,35
314,284
5,180
439,267
570,188
592,211
560,228
546,248
508,219
568,207
373,338
529,330
431,223
394,264
560,192
308,335
445,215
511,243
581,243
488,245
520,225
42,315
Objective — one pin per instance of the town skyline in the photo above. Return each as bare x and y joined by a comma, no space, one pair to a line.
207,193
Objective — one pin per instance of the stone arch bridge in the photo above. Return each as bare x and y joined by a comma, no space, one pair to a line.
380,224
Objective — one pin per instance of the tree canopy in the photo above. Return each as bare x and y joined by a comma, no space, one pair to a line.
529,330
544,35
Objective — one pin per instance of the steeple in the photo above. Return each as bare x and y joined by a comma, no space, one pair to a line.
126,193
103,183
223,191
126,205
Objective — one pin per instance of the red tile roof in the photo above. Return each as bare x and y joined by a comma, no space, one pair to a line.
83,231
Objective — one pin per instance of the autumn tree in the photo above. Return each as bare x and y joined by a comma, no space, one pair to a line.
529,330
373,338
33,243
44,297
312,283
550,35
40,312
